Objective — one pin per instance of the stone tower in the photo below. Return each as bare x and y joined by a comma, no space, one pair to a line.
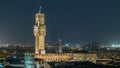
39,32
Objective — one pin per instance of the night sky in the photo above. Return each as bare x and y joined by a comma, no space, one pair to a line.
73,21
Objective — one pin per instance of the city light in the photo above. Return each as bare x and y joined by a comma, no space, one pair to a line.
116,46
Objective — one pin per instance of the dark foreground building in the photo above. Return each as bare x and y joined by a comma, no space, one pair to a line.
78,65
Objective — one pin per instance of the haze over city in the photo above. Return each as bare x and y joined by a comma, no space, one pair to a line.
72,21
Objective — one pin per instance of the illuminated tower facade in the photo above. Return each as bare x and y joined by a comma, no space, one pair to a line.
39,32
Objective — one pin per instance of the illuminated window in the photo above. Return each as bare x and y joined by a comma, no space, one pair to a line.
80,59
87,59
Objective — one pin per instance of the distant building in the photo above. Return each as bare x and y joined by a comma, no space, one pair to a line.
59,47
92,46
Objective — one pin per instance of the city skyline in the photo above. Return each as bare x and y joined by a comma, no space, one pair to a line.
71,21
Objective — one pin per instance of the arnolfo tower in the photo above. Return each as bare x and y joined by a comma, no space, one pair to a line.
39,32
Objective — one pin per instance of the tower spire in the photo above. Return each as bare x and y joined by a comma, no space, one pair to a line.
40,9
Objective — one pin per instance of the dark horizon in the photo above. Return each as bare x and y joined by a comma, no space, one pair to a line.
71,21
